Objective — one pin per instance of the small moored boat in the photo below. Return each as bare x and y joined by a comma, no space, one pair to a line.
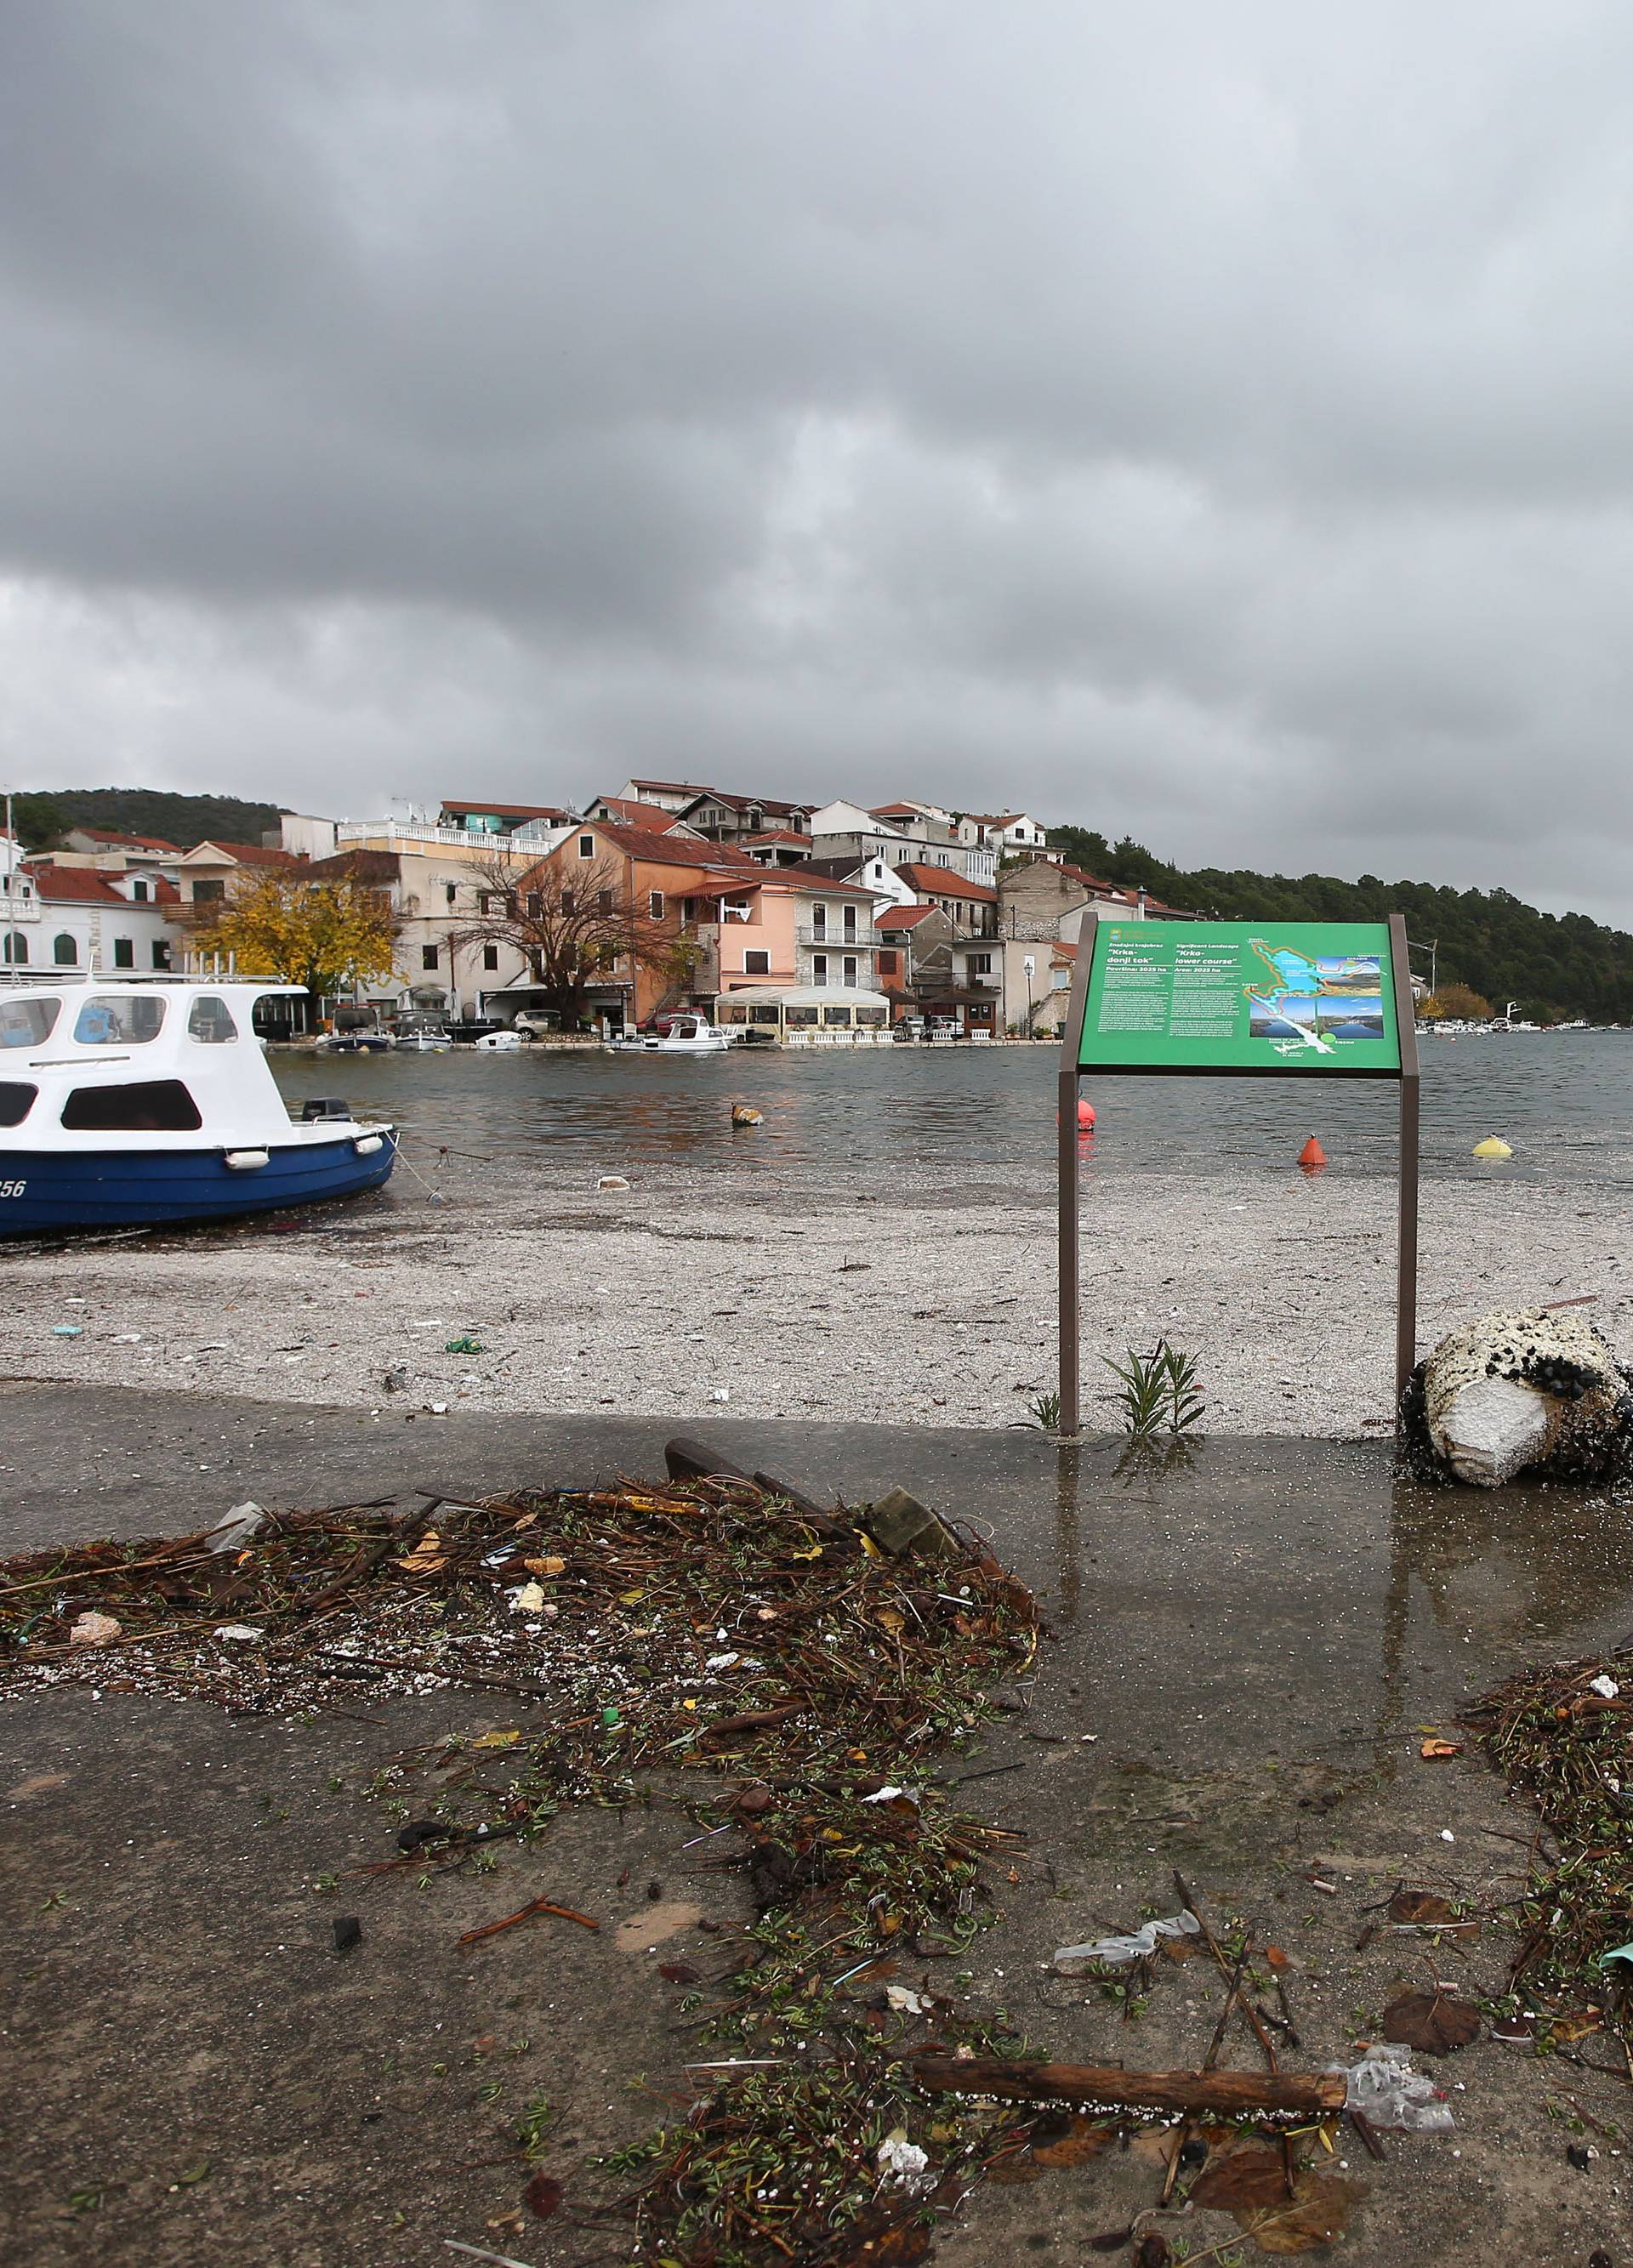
686,1035
125,1102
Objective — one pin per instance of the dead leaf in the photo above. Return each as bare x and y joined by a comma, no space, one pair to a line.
1431,1748
427,1557
679,1972
891,1619
544,1567
1277,1959
543,2193
496,1740
1575,2024
1068,2142
1153,2250
1242,2181
1420,1908
1318,2212
1431,2021
1013,2171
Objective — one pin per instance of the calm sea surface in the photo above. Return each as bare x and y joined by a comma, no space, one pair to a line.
1564,1100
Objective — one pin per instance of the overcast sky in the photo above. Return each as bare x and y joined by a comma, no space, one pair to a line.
1206,419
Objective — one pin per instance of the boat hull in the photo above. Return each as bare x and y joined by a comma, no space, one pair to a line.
129,1189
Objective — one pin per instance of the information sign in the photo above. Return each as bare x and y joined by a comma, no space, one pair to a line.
1265,998
1242,997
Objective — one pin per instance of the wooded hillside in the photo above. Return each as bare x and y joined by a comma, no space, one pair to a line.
182,820
1553,965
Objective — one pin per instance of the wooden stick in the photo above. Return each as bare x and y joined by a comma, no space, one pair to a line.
535,1906
1231,2093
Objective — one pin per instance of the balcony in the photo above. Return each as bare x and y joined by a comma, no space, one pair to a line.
840,941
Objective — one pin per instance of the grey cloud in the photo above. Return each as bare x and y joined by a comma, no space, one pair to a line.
1209,421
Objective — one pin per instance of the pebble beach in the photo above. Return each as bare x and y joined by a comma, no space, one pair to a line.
930,1301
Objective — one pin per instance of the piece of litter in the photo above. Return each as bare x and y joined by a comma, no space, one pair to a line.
1446,1835
527,1599
244,1631
66,1331
891,1794
910,2003
715,1661
1388,2092
903,2165
1606,1687
243,1522
1138,1946
92,1629
1617,1952
720,1394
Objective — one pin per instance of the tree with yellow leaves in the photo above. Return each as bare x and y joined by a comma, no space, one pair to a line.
326,935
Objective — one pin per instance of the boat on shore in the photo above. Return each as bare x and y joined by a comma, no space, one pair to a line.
134,1102
686,1035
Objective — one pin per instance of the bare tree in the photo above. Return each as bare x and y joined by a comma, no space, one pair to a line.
574,926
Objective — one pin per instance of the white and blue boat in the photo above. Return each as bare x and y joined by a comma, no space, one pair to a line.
125,1102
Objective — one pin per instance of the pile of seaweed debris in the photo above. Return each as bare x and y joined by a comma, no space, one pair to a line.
1563,1735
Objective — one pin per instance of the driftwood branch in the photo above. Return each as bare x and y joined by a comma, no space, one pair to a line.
1230,2093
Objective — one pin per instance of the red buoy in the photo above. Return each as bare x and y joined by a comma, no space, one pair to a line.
1085,1114
1312,1157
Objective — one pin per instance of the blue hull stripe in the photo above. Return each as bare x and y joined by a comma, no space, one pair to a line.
56,1189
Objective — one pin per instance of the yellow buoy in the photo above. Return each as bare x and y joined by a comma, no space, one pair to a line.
743,1115
1493,1146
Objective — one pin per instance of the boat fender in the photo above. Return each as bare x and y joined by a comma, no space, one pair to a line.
1493,1146
367,1145
244,1161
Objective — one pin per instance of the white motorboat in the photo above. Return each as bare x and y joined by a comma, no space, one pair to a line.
684,1035
492,1044
146,1100
423,1044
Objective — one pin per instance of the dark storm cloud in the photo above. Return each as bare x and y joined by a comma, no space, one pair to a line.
1211,420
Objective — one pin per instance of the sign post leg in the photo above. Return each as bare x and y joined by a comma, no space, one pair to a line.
1070,1282
1405,1261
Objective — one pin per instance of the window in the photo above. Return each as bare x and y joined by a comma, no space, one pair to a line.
138,892
887,964
980,964
428,956
819,968
65,952
490,956
27,1023
105,1021
762,1011
161,954
586,846
872,1015
836,1015
819,916
850,970
536,903
124,951
452,892
688,909
16,948
799,1016
757,964
211,1023
16,1100
654,905
603,901
149,1106
208,893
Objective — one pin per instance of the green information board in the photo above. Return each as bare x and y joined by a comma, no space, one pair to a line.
1278,997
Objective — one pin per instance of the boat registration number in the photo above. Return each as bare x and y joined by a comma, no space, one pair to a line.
12,1188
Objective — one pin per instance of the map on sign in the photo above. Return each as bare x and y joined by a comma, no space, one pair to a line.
1241,996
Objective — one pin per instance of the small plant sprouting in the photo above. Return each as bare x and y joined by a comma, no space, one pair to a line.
1045,1408
533,2127
1158,1391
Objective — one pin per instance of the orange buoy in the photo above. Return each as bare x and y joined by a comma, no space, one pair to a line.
1085,1114
1312,1157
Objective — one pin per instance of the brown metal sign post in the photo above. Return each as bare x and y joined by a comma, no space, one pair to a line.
1139,1004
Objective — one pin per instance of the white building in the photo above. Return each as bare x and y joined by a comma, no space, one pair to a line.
67,917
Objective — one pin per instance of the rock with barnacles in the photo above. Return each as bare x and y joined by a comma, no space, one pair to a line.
1510,1392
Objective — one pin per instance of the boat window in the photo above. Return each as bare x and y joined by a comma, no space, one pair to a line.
27,1023
148,1106
16,1100
211,1021
109,1021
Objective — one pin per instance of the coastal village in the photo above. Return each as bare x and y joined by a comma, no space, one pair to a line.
802,922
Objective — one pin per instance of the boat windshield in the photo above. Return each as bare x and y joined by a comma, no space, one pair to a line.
27,1023
113,1020
211,1021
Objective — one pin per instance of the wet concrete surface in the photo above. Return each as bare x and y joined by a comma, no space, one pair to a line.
1244,1650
